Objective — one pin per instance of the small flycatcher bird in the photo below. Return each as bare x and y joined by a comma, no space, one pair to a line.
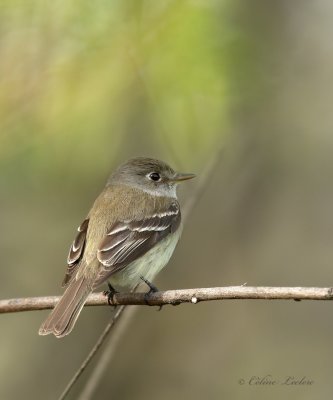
129,235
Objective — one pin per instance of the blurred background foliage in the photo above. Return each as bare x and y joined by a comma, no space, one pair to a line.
83,80
84,86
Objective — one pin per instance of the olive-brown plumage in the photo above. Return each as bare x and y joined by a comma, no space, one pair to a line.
130,232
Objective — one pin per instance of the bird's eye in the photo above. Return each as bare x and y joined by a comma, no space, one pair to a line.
154,176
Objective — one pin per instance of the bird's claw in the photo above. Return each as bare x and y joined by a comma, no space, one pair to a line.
110,295
152,289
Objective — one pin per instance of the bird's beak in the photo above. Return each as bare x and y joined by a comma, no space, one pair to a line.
178,177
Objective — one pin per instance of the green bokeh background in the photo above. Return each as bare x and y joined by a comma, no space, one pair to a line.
86,85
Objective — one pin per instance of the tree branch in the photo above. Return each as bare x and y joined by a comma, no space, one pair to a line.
178,296
109,327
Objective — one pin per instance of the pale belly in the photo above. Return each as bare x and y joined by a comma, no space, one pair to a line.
148,265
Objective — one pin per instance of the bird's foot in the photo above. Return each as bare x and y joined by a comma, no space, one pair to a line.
110,295
152,289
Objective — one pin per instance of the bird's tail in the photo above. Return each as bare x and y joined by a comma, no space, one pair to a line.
62,319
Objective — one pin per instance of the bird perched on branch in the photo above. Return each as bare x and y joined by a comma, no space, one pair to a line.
129,235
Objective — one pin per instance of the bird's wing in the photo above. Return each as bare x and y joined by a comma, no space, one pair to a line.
126,241
76,251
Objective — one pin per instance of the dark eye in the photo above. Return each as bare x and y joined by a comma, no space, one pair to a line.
154,176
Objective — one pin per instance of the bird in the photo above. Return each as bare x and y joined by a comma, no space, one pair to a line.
128,236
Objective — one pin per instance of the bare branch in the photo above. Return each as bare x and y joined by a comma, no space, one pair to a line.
91,382
92,352
178,296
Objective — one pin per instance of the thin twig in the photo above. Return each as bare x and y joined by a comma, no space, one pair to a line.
92,352
90,384
179,296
